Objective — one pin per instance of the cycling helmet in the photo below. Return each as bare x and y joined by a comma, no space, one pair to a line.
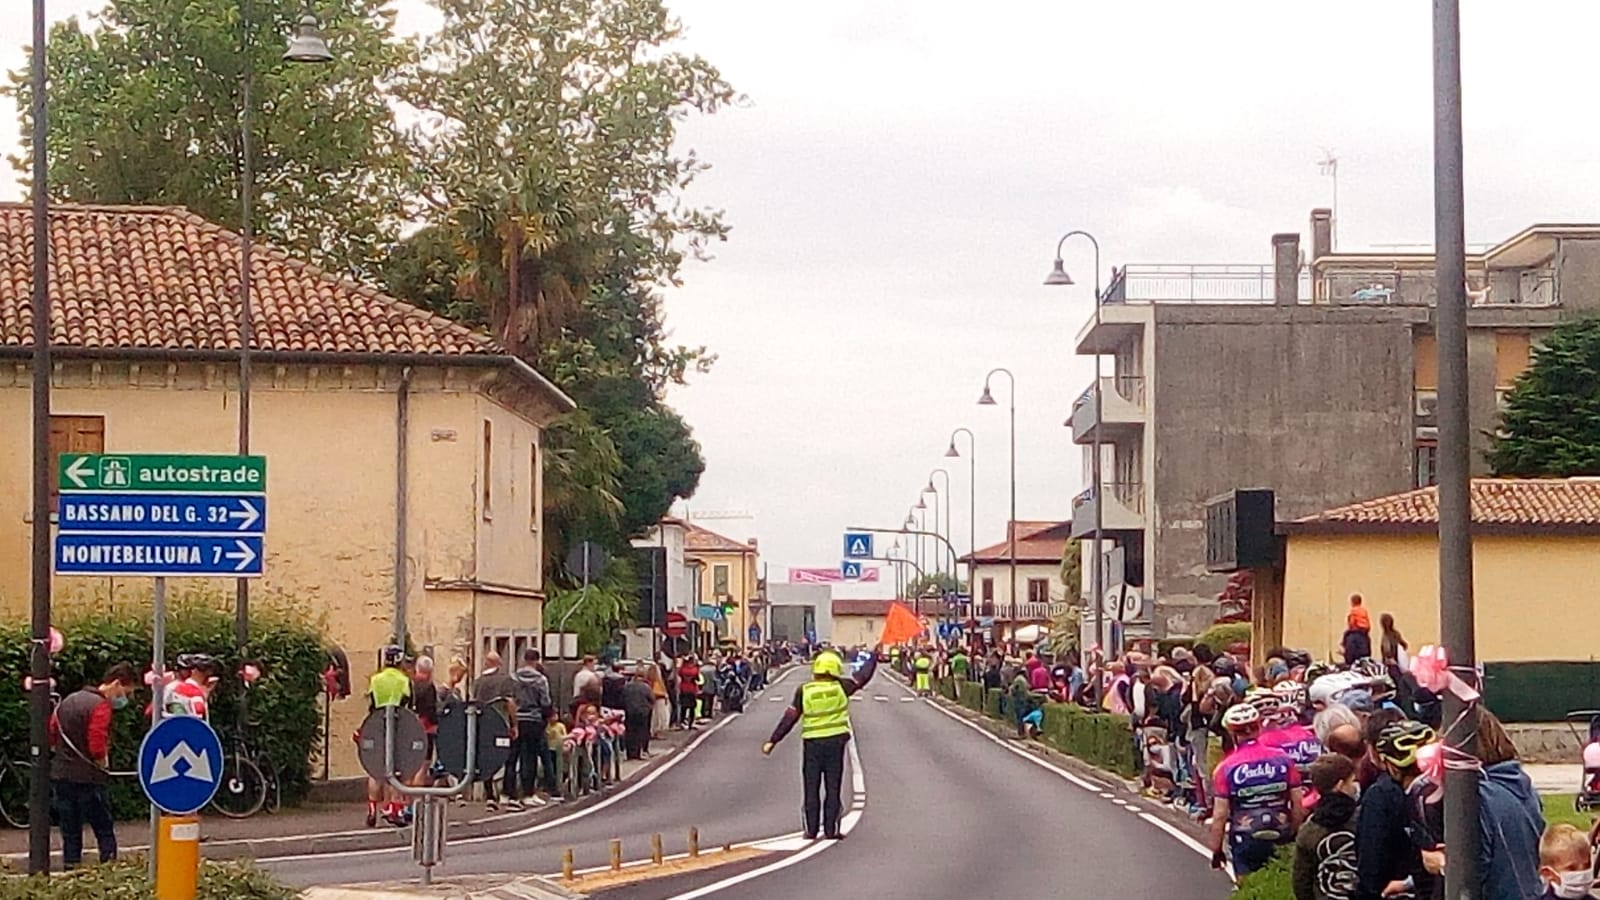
1291,693
827,663
191,661
1315,670
1368,667
1265,700
1398,744
1241,717
393,654
1328,688
1224,666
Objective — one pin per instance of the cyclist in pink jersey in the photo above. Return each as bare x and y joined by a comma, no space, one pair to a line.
1285,728
1258,797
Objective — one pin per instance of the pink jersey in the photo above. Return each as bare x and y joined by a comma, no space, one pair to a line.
185,698
1256,780
1296,740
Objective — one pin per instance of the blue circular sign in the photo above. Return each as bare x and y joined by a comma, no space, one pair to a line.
180,764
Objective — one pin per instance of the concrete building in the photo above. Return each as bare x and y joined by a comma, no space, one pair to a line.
1315,378
724,577
1536,556
1041,594
858,622
795,610
358,400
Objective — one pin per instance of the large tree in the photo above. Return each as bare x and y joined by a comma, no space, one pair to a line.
145,108
1551,423
554,188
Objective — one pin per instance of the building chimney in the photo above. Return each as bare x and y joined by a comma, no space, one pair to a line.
1286,269
1321,233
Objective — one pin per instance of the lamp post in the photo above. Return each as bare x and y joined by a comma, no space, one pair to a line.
1011,525
1058,277
899,586
949,507
1456,609
306,45
972,494
39,645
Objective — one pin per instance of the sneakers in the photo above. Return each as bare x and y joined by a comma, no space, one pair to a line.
372,816
515,805
491,806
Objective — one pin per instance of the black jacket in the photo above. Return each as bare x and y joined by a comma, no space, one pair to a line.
1384,851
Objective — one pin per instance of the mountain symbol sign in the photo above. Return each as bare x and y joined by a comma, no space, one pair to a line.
180,764
857,545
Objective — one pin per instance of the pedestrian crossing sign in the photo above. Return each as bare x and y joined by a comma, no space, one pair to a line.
857,545
850,570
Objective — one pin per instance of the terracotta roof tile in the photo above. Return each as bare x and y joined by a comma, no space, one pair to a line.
708,541
1495,501
162,277
861,607
1036,541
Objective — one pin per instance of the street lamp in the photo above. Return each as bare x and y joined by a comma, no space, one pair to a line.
949,508
1011,525
972,496
305,46
1058,277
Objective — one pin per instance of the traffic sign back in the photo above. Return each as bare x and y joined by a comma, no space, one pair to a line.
857,545
180,764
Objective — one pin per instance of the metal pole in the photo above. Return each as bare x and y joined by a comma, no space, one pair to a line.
1456,613
158,684
39,696
1096,463
1011,526
247,188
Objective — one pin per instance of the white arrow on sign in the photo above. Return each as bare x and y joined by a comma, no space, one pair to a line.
165,768
78,470
247,516
244,555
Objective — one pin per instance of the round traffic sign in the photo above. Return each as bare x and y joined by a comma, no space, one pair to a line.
410,744
180,764
494,740
677,625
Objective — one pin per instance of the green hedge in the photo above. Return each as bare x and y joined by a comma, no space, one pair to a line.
284,704
1275,881
127,880
1100,739
1220,637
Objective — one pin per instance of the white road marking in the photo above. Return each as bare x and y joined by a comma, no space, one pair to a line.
908,699
1185,839
1107,796
543,826
880,698
774,699
846,824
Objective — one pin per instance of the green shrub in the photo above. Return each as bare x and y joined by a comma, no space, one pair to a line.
284,705
991,703
1100,739
127,880
972,695
1221,637
1275,881
1165,646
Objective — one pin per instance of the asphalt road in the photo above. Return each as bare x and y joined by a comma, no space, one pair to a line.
949,813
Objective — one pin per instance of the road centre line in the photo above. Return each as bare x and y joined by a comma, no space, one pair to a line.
847,823
542,826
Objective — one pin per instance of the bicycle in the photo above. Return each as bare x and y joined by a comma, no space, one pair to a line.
249,781
15,785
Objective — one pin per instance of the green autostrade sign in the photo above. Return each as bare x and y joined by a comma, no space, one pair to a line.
112,472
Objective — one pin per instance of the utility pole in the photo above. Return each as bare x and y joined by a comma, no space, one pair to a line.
39,671
1456,610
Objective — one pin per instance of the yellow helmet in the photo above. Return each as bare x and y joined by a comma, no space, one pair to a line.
828,663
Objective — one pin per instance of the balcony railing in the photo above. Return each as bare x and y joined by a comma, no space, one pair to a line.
1201,283
1357,285
1128,387
1024,612
1128,493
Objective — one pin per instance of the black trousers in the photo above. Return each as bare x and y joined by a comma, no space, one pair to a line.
636,735
522,767
822,773
77,803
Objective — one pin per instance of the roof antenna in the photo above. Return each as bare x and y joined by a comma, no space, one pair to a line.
1329,166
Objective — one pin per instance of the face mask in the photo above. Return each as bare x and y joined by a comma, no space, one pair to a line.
1574,885
119,702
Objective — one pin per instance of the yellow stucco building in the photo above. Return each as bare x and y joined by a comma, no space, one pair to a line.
725,572
1536,565
403,450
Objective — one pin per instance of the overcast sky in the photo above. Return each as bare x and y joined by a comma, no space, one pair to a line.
899,179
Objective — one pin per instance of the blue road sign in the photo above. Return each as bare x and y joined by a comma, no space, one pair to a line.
180,764
755,634
850,571
857,545
167,513
708,613
158,555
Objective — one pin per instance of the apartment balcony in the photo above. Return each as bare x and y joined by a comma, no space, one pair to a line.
1024,612
1118,415
1123,509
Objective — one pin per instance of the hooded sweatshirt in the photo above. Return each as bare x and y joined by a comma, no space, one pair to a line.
533,695
1324,851
1510,821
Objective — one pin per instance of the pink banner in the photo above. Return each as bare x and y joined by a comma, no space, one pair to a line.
829,576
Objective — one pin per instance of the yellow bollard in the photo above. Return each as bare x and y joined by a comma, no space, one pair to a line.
616,855
566,864
177,857
694,842
655,849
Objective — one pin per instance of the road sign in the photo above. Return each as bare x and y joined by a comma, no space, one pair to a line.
677,625
410,744
158,555
857,545
755,634
188,473
708,613
180,764
850,571
100,511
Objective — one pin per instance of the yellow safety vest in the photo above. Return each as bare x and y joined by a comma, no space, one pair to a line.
824,709
924,664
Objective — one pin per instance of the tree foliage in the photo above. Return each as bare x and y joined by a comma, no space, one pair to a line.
934,583
145,107
1072,569
1551,423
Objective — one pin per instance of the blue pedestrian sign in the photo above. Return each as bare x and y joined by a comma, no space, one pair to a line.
857,545
850,570
160,515
158,555
180,764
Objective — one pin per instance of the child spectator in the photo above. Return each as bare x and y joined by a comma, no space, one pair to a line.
1324,848
1565,867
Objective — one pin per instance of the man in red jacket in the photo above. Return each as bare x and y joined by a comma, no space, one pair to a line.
80,736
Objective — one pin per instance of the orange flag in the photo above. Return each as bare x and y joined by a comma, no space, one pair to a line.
901,626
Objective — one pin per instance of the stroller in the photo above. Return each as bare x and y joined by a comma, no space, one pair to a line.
731,689
1588,796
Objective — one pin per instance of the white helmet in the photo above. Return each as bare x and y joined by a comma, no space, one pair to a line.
1264,700
1327,690
1241,716
1292,693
